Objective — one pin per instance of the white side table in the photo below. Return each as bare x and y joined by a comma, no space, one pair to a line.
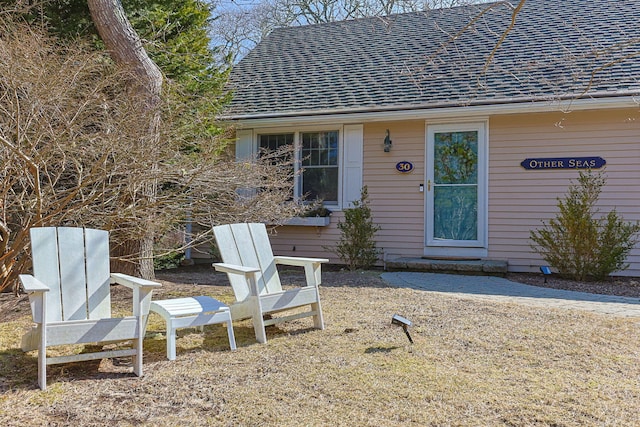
192,312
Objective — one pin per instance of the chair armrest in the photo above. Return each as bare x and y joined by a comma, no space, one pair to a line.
243,279
31,284
234,269
36,290
142,291
312,267
298,261
132,282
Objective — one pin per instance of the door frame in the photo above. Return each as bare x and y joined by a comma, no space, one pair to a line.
450,248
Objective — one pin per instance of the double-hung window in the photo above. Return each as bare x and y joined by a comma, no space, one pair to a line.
316,160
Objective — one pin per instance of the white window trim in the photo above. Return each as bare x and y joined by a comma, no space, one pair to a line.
247,148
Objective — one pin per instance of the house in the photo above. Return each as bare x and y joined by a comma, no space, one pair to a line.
486,124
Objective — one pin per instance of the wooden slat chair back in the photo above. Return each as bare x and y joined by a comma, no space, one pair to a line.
78,284
70,297
248,245
252,270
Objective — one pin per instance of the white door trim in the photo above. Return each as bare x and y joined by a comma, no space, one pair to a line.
453,248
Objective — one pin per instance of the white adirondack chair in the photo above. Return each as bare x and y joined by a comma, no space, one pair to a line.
251,268
70,296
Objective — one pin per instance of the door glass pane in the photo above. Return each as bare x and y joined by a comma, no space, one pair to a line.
455,197
455,213
456,157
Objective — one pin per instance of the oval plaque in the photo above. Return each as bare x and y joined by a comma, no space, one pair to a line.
404,167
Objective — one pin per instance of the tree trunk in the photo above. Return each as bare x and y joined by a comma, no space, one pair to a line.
125,47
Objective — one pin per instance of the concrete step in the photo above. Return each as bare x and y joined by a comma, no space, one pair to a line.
489,267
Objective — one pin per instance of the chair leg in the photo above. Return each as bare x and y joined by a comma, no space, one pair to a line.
318,319
138,343
171,340
232,337
258,326
42,359
137,358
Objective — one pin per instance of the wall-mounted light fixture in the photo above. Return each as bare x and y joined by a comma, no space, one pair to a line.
387,143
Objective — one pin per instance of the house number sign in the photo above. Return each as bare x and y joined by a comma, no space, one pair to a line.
564,163
404,167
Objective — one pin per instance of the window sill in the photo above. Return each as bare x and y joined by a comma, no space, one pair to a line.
312,221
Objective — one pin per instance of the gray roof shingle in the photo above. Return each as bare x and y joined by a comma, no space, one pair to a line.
557,49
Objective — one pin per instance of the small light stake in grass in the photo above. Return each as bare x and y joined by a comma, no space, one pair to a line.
396,319
546,271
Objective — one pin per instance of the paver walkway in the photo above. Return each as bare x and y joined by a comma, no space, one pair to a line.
500,289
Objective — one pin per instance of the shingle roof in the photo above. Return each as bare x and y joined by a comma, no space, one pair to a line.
574,48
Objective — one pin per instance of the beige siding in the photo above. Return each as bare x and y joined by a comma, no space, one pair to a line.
307,241
396,202
519,199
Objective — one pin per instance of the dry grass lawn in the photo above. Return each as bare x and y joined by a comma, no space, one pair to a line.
472,364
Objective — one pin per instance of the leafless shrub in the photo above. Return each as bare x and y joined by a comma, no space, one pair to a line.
70,135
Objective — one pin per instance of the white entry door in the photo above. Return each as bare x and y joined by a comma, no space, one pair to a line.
456,190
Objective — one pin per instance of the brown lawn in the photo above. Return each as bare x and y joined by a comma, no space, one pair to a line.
472,364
